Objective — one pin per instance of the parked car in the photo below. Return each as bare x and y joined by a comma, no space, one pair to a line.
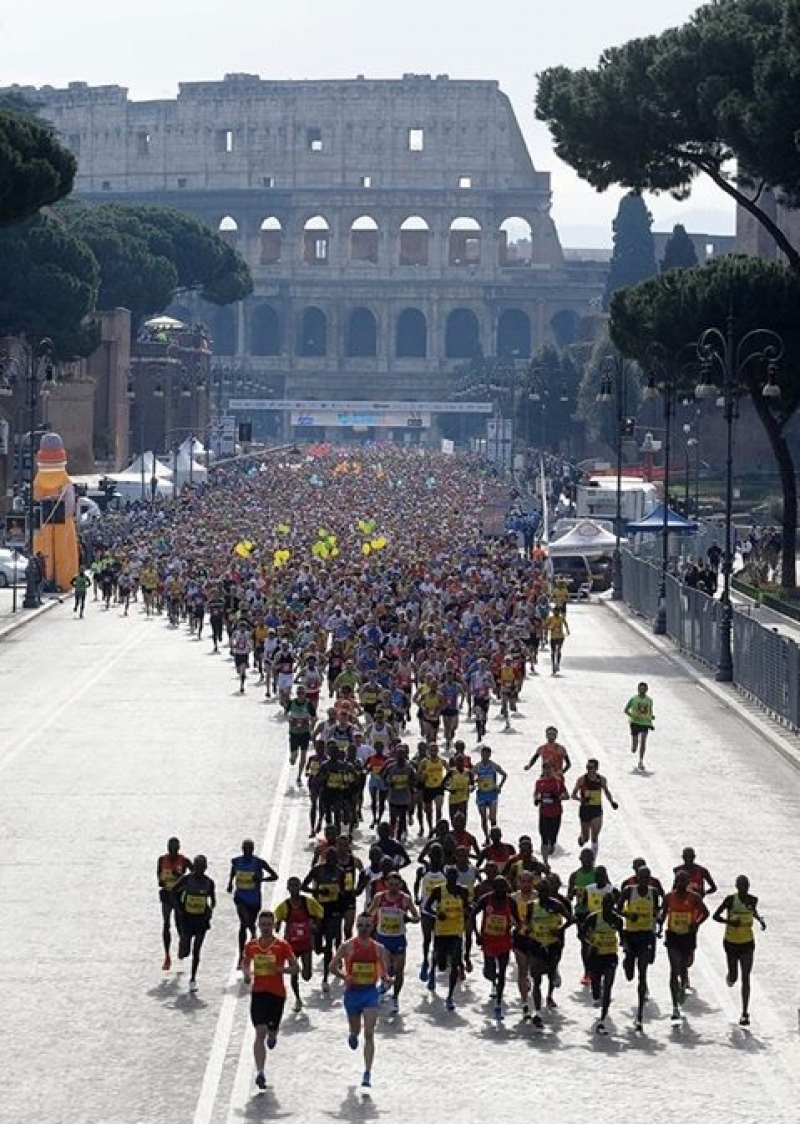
12,569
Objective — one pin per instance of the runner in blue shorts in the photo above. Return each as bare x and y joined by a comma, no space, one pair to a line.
361,964
390,910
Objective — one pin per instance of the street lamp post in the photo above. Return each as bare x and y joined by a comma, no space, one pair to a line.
691,443
720,351
40,372
613,376
651,392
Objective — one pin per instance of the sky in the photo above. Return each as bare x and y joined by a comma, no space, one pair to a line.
149,46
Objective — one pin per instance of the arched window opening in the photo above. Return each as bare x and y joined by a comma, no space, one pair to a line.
364,240
464,242
316,241
362,334
462,337
271,241
515,243
265,332
414,241
514,334
313,336
412,335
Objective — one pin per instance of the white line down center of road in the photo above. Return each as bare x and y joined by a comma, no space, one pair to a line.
225,1020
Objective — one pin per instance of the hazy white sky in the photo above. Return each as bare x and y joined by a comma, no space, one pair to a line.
150,45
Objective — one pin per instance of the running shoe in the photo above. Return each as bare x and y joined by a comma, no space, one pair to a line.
192,985
729,979
498,1012
352,1041
744,1020
676,1014
449,1004
272,1042
537,1021
261,1080
551,1002
526,1013
326,987
600,1028
432,982
556,979
395,1008
165,967
298,1006
366,1080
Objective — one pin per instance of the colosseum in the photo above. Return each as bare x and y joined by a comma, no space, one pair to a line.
394,228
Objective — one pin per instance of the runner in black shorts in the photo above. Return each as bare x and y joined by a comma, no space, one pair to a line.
265,961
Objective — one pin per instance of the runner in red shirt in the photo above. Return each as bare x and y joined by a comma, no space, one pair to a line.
265,961
301,915
499,914
496,851
548,794
169,868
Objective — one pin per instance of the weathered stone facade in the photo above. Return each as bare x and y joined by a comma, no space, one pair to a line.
379,218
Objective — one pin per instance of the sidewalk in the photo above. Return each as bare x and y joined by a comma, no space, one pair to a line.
11,621
768,729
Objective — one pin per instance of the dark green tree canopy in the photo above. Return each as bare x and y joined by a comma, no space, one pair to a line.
679,251
742,294
674,308
35,170
634,257
657,112
48,285
147,255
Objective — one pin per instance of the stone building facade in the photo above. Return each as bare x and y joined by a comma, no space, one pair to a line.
380,219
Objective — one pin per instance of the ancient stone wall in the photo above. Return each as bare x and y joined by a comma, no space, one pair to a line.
380,219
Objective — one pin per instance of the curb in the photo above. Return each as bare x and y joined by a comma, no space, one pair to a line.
14,622
768,729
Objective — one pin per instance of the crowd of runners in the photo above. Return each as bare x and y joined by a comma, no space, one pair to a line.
354,596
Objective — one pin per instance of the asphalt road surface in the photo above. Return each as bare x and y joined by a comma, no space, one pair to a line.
117,733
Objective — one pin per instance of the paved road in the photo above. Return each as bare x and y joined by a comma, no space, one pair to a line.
115,733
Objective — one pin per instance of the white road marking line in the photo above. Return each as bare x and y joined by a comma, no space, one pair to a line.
225,1020
67,704
244,1068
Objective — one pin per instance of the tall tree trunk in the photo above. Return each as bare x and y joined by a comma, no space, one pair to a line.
786,469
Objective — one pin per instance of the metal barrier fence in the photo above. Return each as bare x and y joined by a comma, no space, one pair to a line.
765,664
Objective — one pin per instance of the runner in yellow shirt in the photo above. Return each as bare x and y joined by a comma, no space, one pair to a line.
737,913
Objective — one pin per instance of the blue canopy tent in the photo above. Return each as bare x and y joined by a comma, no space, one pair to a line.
654,522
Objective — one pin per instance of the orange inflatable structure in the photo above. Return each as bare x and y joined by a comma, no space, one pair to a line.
57,538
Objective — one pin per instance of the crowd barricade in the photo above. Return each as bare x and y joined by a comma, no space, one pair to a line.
766,665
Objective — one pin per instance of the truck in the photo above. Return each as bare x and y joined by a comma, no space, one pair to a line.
598,496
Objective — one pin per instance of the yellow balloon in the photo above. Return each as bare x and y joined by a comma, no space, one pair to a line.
365,548
334,552
283,528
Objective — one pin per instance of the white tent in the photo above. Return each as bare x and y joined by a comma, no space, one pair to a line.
194,447
152,467
186,468
587,538
130,485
